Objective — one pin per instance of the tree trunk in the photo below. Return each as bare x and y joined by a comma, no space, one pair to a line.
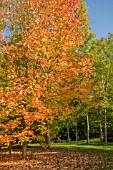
24,150
68,133
76,131
105,117
10,150
87,128
100,124
101,133
48,135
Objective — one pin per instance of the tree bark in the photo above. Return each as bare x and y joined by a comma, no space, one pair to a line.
100,124
105,117
68,132
48,135
76,131
101,133
24,150
87,128
10,150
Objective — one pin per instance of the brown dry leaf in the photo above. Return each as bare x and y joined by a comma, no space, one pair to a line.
54,159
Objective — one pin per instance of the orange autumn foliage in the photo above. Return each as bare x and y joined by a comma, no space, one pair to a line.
40,64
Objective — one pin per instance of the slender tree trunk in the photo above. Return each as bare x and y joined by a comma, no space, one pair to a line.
48,135
100,124
24,143
87,127
105,117
10,150
76,131
101,133
24,150
68,132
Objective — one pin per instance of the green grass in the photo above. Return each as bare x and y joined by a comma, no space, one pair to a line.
33,144
93,144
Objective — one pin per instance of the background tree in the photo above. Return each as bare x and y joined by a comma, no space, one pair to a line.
101,50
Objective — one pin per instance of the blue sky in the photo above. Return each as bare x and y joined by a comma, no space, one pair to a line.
100,13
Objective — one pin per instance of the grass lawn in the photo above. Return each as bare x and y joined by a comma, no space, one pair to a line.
61,156
93,144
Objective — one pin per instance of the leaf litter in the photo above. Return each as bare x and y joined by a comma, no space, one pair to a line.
55,159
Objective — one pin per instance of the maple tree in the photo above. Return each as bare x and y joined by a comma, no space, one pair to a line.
41,69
